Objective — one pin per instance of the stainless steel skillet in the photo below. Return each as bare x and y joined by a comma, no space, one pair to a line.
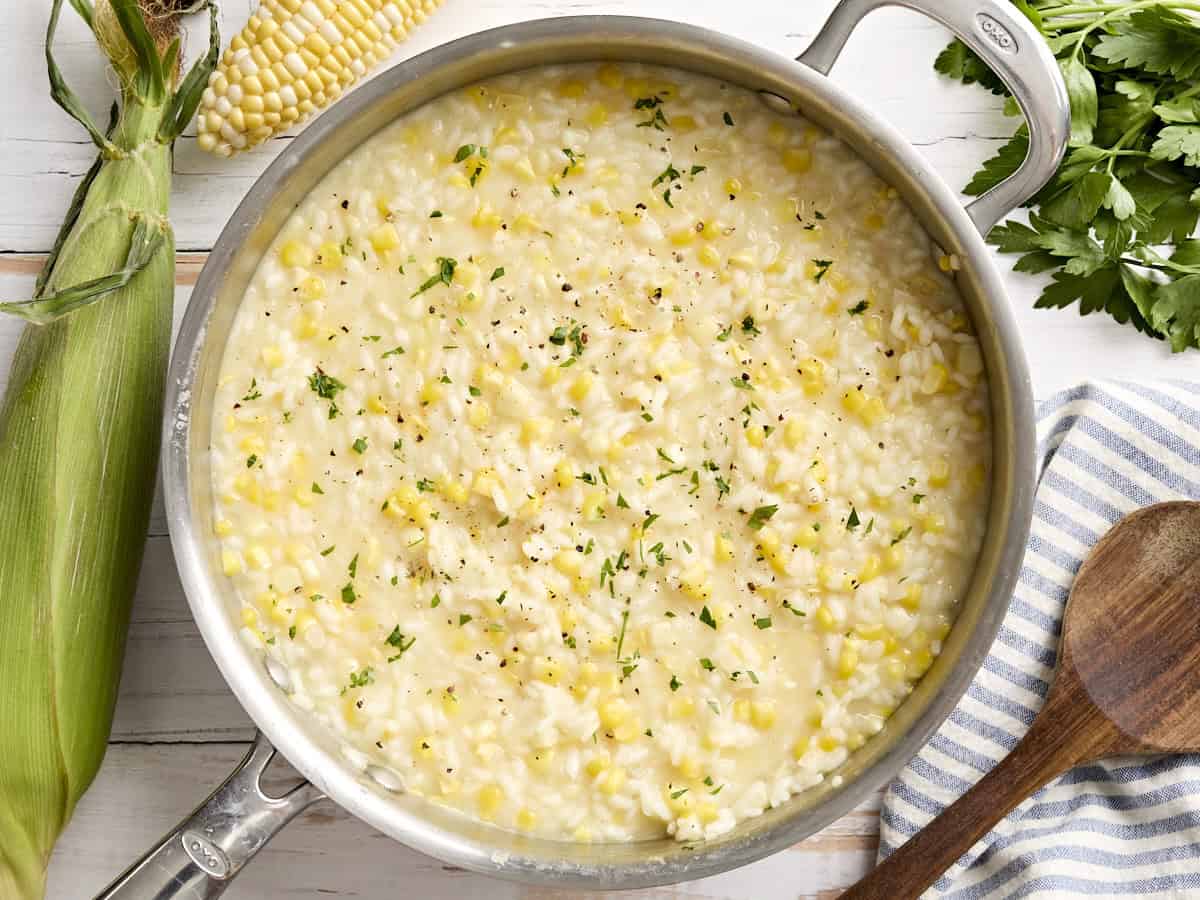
207,850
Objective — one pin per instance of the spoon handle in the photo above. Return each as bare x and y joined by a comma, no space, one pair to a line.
1049,748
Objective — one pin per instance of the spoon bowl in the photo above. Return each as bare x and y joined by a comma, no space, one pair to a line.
1127,682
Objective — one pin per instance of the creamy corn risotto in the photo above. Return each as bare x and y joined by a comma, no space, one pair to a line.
602,453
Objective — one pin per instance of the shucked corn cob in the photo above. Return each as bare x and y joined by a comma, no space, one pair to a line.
293,58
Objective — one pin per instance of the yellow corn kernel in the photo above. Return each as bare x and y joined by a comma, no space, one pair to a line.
597,764
312,288
222,528
762,714
572,89
827,577
307,327
722,548
873,221
564,474
567,562
695,584
853,401
870,632
593,504
547,670
423,747
376,405
754,436
294,253
329,256
807,538
793,433
733,186
485,482
935,379
535,430
939,473
825,619
848,661
681,707
454,491
384,238
551,374
258,557
689,766
707,813
812,375
531,507
680,802
249,616
870,568
828,743
431,392
919,663
542,759
614,712
614,779
582,386
304,496
800,748
610,76
596,115
449,703
709,256
527,224
912,597
526,819
681,237
488,800
933,523
797,159
741,710
893,557
683,124
479,414
873,411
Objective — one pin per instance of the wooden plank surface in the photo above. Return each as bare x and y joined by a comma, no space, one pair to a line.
178,730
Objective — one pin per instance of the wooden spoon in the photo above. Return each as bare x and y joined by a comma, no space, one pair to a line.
1127,682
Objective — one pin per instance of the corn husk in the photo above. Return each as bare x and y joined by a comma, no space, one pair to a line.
79,435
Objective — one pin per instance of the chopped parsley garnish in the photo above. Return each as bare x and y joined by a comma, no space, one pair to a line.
498,272
353,567
727,119
859,308
676,684
474,391
360,445
502,522
901,535
852,521
725,333
251,460
395,351
463,152
917,498
463,619
436,214
348,595
822,269
445,275
254,393
742,384
622,503
436,601
761,516
424,485
764,622
657,120
326,387
397,639
361,679
316,488
707,618
696,170
706,664
748,327
329,549
651,518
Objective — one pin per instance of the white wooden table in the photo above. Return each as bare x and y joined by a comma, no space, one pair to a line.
178,730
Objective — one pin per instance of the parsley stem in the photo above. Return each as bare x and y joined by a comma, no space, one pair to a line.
1118,12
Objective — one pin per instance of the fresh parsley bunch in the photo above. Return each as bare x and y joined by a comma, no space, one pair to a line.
1114,226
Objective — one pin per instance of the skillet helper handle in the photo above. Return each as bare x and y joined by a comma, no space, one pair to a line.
1008,42
204,852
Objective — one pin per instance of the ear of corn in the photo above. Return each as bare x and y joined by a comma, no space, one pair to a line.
293,58
79,429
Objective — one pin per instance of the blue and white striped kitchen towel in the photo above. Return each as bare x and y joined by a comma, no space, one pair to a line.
1121,828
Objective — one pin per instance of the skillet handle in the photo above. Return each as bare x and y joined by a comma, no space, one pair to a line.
200,857
1012,47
